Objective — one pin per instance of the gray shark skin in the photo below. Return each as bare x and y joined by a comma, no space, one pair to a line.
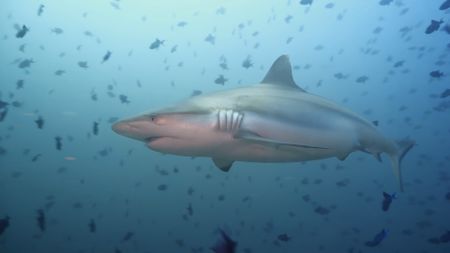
272,121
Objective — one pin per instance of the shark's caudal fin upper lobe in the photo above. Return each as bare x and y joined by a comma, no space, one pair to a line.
403,146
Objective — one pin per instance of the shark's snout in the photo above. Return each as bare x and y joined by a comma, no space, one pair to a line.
138,128
120,127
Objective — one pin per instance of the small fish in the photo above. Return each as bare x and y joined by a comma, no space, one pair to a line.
385,2
83,64
247,63
225,245
92,226
211,39
387,200
127,236
377,239
306,2
447,196
3,113
4,224
156,44
445,93
57,30
106,56
41,220
196,93
19,84
444,238
36,157
220,80
340,76
22,32
3,104
445,5
40,10
95,128
25,63
59,72
190,210
174,48
436,74
284,237
434,26
375,122
40,122
362,79
182,24
124,99
58,142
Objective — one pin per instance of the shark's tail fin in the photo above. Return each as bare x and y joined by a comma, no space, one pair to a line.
403,146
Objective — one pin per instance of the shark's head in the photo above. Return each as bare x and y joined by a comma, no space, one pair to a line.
168,131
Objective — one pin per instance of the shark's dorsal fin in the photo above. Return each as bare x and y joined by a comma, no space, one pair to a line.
281,73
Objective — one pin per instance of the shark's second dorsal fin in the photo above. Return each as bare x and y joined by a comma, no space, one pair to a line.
281,73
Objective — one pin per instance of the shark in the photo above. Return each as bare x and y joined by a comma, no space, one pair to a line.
272,121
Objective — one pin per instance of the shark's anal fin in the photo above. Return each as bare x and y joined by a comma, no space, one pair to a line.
251,136
222,164
281,74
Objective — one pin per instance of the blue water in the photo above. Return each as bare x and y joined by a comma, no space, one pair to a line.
374,59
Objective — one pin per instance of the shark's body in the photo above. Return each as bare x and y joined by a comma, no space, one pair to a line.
273,121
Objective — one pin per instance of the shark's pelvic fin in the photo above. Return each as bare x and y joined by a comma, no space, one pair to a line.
222,164
281,73
251,136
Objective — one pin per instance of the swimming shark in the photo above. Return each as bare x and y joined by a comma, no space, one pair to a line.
272,121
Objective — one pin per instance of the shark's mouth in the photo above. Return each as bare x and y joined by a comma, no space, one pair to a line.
151,139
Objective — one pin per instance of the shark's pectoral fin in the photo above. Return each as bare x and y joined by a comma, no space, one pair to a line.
223,164
251,136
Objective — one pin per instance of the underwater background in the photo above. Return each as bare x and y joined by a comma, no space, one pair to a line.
68,183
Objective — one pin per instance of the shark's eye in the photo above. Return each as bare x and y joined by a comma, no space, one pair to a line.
153,117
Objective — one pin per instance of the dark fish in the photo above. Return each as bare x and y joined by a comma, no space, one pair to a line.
25,63
340,76
4,224
59,72
211,39
57,30
92,226
387,200
385,2
445,5
41,220
306,2
127,236
445,238
196,93
22,32
434,26
3,113
58,142
40,10
95,128
83,64
377,239
225,245
362,79
182,24
36,157
220,80
247,63
190,210
447,196
124,99
375,122
173,49
3,104
284,237
156,44
19,84
106,56
445,93
436,74
39,122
